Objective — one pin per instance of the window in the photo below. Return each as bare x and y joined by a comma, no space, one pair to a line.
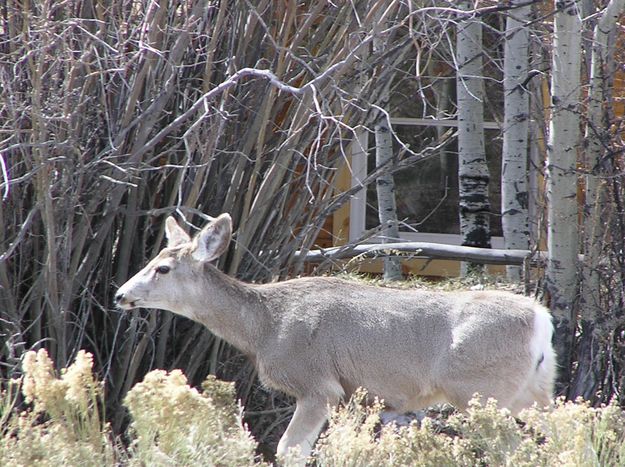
426,192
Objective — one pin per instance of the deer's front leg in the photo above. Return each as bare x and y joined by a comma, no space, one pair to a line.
305,426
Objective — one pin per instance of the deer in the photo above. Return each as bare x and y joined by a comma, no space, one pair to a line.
319,339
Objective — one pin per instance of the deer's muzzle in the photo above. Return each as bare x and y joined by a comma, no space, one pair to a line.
124,302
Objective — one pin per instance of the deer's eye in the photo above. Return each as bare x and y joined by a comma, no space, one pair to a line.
163,269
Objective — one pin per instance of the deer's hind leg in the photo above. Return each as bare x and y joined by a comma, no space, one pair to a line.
308,420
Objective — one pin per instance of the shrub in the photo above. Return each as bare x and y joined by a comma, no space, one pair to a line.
570,433
174,424
64,424
354,438
61,422
573,433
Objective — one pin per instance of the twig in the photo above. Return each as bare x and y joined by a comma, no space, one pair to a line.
21,234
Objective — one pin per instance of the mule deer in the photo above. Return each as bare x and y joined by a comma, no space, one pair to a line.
320,338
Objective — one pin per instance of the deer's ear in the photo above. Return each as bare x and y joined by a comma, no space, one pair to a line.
213,240
174,233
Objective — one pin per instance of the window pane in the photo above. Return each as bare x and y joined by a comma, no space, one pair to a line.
427,192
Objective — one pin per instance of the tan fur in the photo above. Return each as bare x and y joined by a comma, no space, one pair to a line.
320,338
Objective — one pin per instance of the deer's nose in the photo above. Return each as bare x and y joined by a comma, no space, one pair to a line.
125,300
119,297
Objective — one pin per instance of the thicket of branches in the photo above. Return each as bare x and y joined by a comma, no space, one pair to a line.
115,114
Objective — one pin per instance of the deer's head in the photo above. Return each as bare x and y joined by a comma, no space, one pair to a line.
170,279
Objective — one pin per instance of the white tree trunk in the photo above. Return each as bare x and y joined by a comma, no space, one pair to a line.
385,188
514,180
473,175
385,183
562,225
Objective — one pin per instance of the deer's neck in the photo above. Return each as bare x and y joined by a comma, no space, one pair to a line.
231,309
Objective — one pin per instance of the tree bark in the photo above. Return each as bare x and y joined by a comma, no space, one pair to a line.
425,250
385,183
562,226
473,175
514,192
387,206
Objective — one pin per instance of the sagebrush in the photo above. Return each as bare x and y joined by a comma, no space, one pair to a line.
60,421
